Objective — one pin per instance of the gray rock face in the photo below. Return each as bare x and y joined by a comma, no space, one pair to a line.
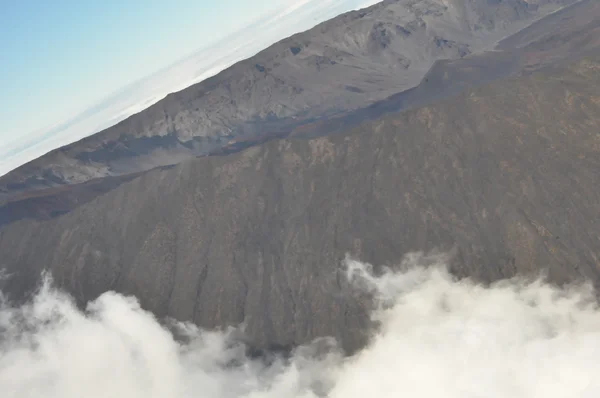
346,63
507,174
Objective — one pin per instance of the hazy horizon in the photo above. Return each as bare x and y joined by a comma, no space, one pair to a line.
282,19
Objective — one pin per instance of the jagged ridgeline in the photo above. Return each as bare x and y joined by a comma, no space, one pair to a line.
347,63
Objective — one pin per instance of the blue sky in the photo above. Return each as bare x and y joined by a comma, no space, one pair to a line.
69,68
60,55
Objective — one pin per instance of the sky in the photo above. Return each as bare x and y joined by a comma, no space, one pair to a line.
59,56
71,68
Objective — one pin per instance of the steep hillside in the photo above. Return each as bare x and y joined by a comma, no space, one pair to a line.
507,175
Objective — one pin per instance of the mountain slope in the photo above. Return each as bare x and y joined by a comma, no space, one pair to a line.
507,174
563,36
343,64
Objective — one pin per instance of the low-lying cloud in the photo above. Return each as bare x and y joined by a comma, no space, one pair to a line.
437,337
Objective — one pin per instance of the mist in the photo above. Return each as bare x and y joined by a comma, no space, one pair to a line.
436,337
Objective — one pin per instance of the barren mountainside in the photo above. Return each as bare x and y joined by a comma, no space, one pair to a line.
341,65
505,175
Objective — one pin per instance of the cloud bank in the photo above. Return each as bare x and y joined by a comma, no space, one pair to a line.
298,16
438,337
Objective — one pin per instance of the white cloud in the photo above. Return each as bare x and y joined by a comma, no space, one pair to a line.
438,338
298,16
